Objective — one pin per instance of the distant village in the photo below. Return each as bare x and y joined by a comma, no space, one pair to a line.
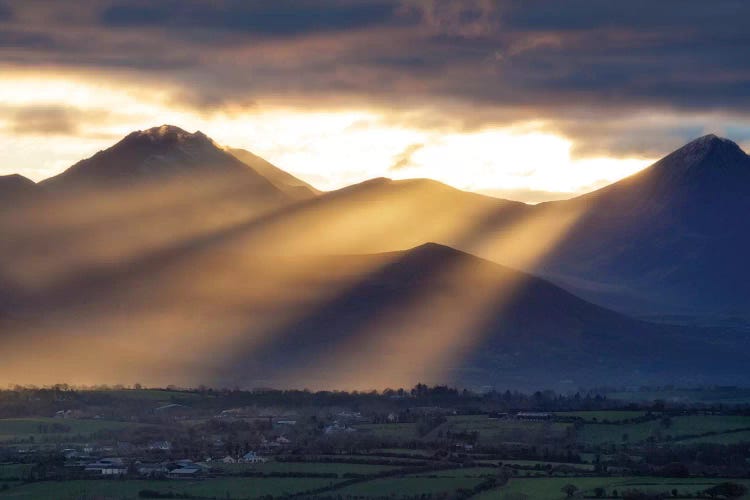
315,445
160,459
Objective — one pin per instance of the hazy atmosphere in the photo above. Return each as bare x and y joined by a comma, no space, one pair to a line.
374,249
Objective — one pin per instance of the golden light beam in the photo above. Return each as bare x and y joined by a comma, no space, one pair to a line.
427,338
237,294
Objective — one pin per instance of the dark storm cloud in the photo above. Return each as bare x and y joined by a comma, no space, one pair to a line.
5,12
633,14
50,119
28,40
43,121
585,68
266,17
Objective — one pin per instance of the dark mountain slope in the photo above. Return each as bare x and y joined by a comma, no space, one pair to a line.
226,316
435,312
673,236
14,188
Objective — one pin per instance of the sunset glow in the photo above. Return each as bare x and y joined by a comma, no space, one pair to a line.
374,249
330,149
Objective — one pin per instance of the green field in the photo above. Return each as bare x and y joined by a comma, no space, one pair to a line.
545,465
396,432
405,451
437,482
495,431
709,395
13,471
25,428
550,488
600,416
239,487
693,425
120,489
398,486
725,438
308,467
459,472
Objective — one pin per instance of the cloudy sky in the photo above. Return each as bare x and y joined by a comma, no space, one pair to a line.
527,99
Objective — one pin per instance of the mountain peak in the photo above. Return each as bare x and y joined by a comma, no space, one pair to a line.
14,187
709,165
432,247
435,253
166,151
16,179
710,143
704,160
167,134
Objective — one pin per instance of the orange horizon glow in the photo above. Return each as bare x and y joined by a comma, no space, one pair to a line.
329,148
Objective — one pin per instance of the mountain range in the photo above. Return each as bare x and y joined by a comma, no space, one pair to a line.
172,259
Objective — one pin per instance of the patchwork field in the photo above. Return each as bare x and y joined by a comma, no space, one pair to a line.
551,488
210,488
497,431
396,432
415,485
602,416
729,437
715,395
13,471
54,429
308,468
544,465
444,482
676,428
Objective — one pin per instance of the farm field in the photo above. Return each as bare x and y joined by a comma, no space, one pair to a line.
401,431
13,471
414,485
732,395
550,488
54,429
692,426
128,489
593,432
446,481
724,438
463,453
308,468
544,465
496,431
405,451
601,416
368,457
470,472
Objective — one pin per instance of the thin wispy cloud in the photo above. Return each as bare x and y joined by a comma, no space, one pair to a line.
404,159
